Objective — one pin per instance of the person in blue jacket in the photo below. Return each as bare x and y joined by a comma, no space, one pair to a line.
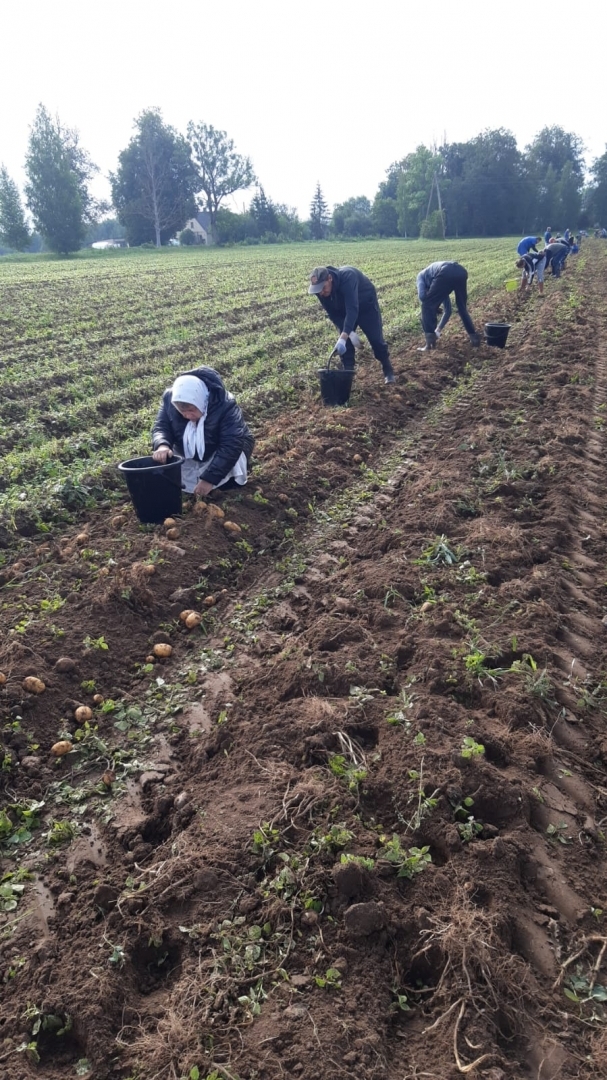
350,300
200,420
527,244
556,253
548,235
434,286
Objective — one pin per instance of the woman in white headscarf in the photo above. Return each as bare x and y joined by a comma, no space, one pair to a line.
199,420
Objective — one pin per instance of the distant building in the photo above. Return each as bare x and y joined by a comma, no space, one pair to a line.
102,245
200,226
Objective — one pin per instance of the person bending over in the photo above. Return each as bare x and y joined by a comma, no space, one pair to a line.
350,300
434,286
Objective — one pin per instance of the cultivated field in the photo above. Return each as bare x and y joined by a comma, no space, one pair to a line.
353,826
88,345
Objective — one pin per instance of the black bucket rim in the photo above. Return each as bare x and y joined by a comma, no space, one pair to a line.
123,466
498,325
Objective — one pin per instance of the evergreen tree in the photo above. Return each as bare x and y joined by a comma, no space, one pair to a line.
13,228
58,172
153,187
319,214
264,213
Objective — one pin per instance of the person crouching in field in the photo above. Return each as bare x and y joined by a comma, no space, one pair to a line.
533,266
199,420
434,285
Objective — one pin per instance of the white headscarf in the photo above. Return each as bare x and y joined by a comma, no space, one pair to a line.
190,390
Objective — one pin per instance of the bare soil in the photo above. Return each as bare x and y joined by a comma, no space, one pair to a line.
404,657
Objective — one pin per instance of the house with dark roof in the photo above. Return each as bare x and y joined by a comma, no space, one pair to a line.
200,226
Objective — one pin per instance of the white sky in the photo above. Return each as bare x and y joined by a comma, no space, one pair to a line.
331,90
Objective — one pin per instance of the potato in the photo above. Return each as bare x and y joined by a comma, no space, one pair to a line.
83,538
149,659
82,714
33,685
59,749
162,650
149,568
283,498
427,606
200,507
357,459
65,664
193,620
210,601
98,699
117,522
184,614
232,527
215,511
108,778
173,534
169,523
2,679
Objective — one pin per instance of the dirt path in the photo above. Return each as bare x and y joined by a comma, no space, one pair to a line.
361,833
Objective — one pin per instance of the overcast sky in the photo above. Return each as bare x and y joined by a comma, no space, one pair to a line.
332,90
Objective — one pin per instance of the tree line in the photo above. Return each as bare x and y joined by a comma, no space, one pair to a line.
483,187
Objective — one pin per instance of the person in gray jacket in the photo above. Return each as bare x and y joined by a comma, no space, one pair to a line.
350,300
434,286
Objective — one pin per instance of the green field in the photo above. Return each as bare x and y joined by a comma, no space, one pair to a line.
88,344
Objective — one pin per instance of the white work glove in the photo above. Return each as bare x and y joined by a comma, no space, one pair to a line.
340,347
354,338
437,333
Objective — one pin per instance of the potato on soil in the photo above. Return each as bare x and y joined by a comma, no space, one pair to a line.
427,606
173,534
200,507
83,538
83,713
162,651
184,614
149,659
232,527
33,685
65,664
283,498
193,620
215,511
117,522
210,601
169,523
357,459
59,749
108,778
98,699
2,679
143,568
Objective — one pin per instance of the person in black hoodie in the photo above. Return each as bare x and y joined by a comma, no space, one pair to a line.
350,300
199,420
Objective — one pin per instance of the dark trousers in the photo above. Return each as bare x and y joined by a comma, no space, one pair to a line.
369,321
453,279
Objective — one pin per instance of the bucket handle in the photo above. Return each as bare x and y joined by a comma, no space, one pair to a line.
331,355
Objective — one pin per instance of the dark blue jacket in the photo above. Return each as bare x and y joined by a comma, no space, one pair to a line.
225,431
351,292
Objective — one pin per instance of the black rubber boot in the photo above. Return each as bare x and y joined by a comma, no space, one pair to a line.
430,343
388,370
475,340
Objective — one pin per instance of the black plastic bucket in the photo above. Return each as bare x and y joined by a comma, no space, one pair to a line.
496,333
335,383
155,489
